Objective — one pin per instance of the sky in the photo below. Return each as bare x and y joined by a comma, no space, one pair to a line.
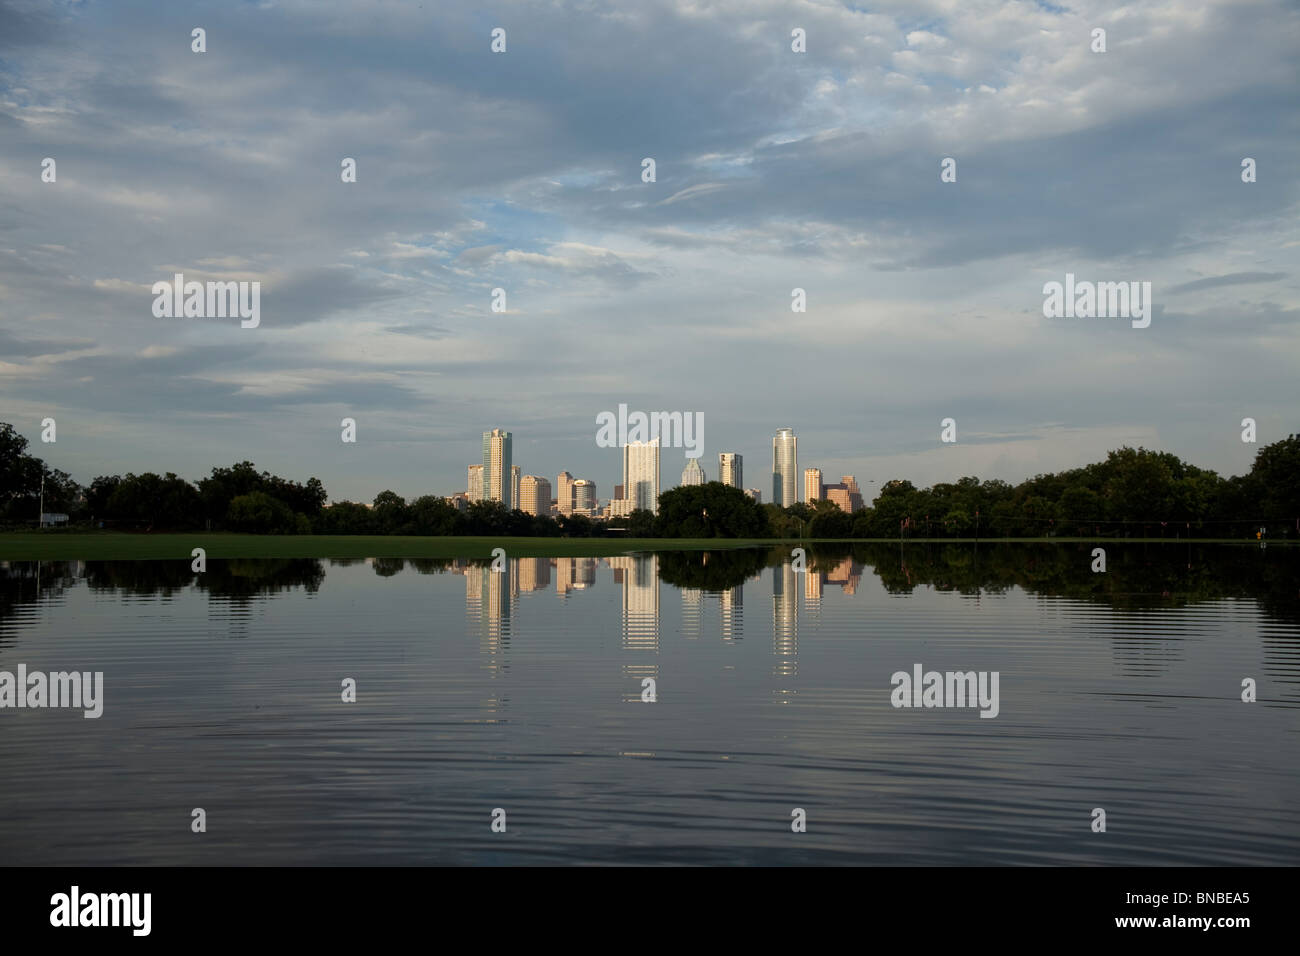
522,171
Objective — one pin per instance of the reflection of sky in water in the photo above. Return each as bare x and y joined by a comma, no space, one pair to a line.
223,692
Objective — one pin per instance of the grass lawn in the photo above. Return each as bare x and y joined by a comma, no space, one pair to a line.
107,545
36,546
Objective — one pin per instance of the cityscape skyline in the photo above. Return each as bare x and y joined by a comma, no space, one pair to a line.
376,295
641,470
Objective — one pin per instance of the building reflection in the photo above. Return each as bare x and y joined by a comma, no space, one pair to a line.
490,600
534,574
813,582
785,619
574,574
731,611
692,612
847,574
639,576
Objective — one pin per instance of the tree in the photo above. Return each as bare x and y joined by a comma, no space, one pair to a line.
711,510
345,517
957,522
1080,509
1275,477
243,478
829,521
259,513
156,501
20,477
576,526
434,515
390,513
640,523
98,494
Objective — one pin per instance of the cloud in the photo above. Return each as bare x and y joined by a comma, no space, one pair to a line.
1234,278
703,189
775,170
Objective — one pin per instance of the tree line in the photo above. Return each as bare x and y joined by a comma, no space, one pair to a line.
1133,493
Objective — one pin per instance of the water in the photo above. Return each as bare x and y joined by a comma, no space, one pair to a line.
522,690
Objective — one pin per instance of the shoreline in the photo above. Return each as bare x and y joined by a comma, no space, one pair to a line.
122,546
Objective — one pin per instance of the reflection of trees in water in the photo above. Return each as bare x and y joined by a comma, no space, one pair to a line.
715,570
145,578
431,565
387,567
226,578
24,583
261,576
233,578
1136,576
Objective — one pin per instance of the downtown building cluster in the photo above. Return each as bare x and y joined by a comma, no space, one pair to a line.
497,478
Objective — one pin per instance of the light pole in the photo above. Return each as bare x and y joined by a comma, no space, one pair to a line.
40,517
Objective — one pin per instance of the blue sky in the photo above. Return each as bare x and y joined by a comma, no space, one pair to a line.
522,171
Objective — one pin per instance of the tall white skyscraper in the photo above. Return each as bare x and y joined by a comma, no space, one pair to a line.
641,475
785,468
731,469
474,488
496,467
515,474
693,474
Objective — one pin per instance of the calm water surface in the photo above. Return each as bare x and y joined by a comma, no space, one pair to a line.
522,689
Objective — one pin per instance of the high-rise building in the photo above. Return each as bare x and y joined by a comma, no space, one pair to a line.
785,468
641,475
496,467
474,489
515,474
618,491
812,484
693,474
731,469
855,493
535,495
564,493
756,494
584,497
845,495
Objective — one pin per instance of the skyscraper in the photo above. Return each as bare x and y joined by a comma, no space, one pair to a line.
584,497
496,467
515,474
535,495
563,493
785,468
731,469
693,474
474,487
641,475
812,484
846,495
